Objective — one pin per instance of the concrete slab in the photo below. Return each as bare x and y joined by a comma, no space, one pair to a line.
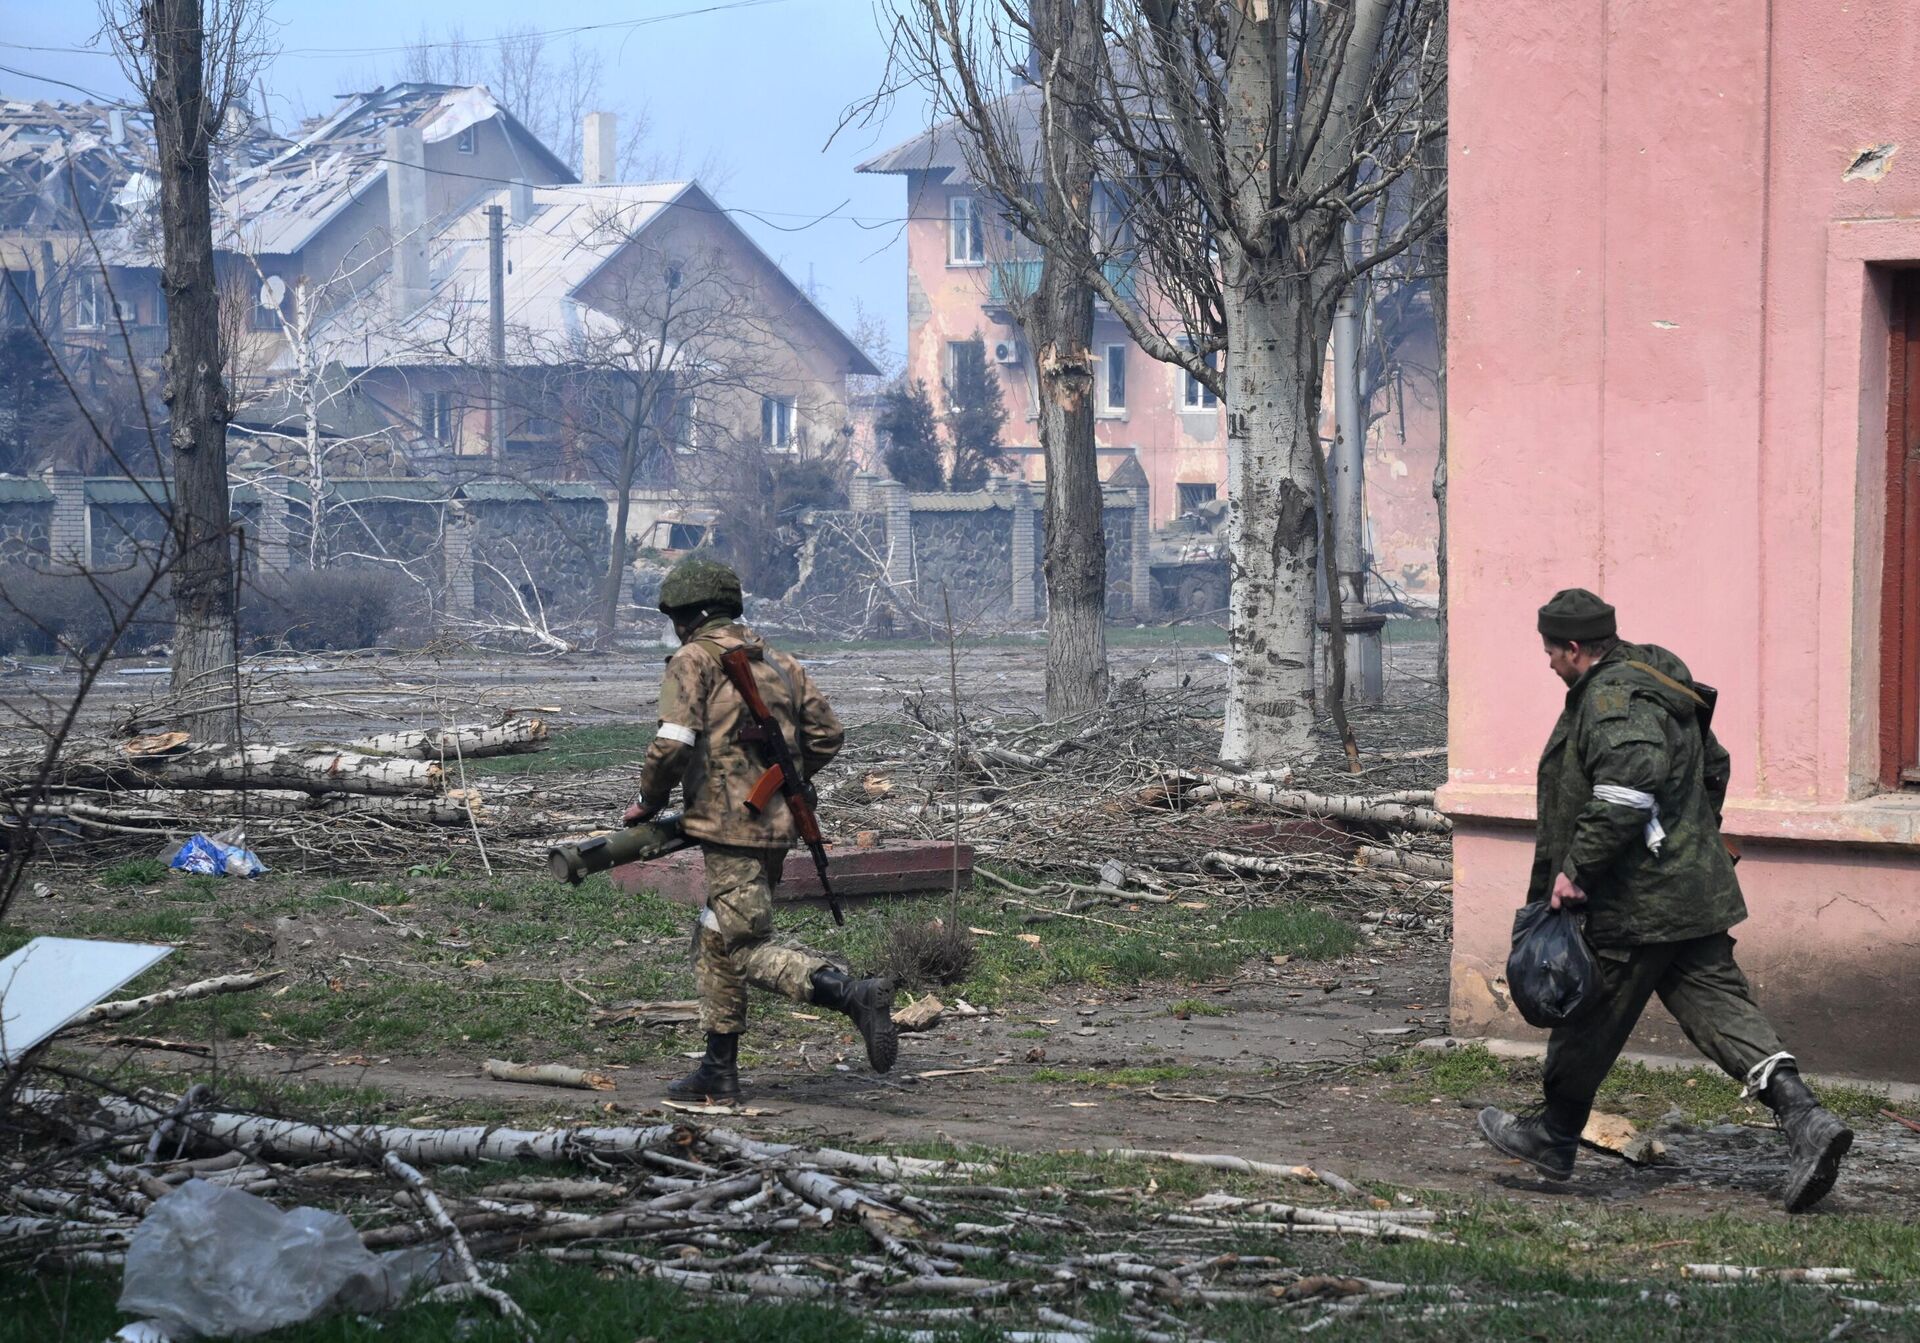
890,867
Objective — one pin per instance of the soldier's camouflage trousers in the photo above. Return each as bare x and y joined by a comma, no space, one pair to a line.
1698,983
733,943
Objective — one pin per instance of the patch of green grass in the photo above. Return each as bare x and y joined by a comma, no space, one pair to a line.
1196,1007
144,925
134,872
1112,947
577,748
1467,1073
1118,1077
1411,630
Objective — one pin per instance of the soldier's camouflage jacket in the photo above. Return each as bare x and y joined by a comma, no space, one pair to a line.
698,746
1623,725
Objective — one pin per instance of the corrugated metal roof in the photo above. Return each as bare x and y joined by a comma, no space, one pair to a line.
17,490
505,491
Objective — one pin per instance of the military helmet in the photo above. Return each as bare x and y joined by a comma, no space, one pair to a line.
701,584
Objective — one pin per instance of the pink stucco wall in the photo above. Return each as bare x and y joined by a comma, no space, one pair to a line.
1667,383
1176,445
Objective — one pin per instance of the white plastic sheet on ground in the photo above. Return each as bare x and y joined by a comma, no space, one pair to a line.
213,1262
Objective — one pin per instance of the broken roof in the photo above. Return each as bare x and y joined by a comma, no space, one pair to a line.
110,151
572,232
278,207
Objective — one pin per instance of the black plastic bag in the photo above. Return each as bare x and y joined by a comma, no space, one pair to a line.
1550,971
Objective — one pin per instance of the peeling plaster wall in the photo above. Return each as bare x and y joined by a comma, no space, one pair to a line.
1667,383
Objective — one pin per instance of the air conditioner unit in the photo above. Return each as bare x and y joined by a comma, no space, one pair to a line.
1006,352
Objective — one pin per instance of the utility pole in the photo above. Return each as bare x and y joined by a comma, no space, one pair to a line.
496,334
1347,574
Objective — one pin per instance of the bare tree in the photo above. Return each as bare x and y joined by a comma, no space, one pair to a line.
549,89
1022,89
192,60
1242,137
663,380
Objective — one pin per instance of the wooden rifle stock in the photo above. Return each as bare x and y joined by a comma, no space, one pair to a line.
783,775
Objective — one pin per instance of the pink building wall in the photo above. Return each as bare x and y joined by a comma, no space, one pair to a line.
1175,444
1667,382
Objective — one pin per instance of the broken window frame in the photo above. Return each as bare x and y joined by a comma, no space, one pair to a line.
90,302
467,141
1190,494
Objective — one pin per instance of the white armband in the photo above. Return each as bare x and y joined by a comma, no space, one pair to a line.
1621,796
686,736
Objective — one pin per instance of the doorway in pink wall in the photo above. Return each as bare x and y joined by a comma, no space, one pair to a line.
1900,593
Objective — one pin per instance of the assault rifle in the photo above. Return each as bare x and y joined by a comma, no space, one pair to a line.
783,775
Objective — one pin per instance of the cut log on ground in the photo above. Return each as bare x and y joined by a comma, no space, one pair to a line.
465,742
298,768
1363,809
547,1075
206,988
1399,860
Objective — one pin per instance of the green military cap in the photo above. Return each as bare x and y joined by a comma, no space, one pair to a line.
697,582
1577,616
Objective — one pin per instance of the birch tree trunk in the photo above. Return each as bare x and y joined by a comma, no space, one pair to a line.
1060,333
615,578
202,573
1277,340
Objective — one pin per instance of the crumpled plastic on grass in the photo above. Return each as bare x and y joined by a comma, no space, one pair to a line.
213,1262
221,855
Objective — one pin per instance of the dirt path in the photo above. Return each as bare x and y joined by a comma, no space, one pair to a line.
1279,1077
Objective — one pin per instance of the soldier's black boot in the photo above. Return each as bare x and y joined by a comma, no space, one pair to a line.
870,1003
1544,1137
1816,1139
718,1076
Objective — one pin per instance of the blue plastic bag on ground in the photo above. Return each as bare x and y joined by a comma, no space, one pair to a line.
221,855
1551,971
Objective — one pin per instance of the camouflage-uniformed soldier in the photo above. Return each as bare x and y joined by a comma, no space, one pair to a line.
698,747
1630,792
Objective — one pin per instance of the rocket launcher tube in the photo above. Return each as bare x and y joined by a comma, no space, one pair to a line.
655,838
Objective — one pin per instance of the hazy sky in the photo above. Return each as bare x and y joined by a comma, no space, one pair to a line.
759,84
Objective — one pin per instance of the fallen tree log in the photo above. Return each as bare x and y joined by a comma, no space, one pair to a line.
1399,860
210,809
267,767
206,988
547,1075
1367,810
465,741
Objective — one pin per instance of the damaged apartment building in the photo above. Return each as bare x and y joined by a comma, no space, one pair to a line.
426,306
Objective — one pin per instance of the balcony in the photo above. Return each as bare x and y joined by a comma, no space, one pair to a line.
1009,281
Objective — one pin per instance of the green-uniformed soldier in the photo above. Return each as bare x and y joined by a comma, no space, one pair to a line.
1630,792
699,747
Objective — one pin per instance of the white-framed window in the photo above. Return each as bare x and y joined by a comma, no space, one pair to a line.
1194,394
966,239
439,417
1113,379
467,140
90,302
776,422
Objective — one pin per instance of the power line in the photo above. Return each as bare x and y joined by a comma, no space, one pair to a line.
451,43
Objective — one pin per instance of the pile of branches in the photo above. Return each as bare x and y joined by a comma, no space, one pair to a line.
1127,804
166,784
708,1210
